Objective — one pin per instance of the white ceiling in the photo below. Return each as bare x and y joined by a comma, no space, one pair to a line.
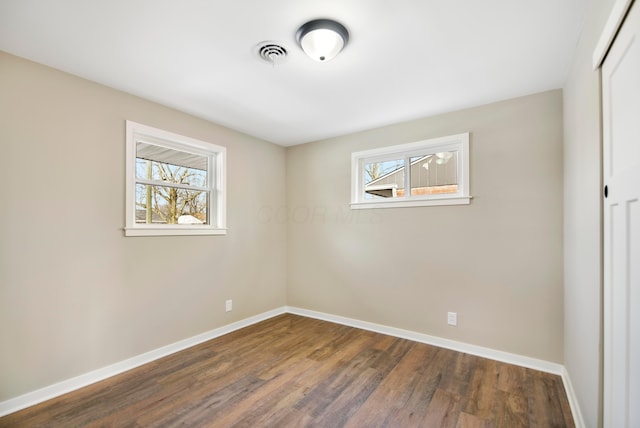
405,59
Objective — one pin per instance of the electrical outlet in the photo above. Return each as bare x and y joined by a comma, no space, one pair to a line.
452,318
228,305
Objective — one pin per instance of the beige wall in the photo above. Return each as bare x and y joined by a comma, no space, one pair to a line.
583,268
497,262
75,295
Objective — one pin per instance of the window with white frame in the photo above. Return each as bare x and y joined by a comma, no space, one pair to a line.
429,172
175,184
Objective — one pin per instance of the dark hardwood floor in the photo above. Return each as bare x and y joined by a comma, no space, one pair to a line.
291,371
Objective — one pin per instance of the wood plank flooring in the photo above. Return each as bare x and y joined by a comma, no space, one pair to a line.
292,371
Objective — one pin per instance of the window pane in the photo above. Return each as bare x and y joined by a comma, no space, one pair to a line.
168,205
435,173
174,166
384,179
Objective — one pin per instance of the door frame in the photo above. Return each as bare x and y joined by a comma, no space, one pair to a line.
616,18
613,24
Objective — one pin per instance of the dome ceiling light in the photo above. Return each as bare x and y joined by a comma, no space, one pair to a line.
322,39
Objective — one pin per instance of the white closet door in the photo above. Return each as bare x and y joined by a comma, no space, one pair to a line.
621,168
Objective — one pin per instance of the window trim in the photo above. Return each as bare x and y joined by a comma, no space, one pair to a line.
459,142
216,211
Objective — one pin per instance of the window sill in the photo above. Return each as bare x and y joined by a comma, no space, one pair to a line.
172,231
457,200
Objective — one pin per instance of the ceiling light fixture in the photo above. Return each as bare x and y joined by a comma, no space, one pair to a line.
322,39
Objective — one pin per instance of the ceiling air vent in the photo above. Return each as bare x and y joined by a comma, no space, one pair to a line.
271,52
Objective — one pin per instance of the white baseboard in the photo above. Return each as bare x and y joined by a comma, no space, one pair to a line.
573,399
57,389
480,351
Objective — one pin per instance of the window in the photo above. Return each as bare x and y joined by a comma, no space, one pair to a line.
429,172
175,184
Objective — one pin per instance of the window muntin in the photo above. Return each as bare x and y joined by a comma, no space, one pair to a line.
430,172
175,184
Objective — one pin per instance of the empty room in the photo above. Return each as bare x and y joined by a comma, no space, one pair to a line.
319,213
